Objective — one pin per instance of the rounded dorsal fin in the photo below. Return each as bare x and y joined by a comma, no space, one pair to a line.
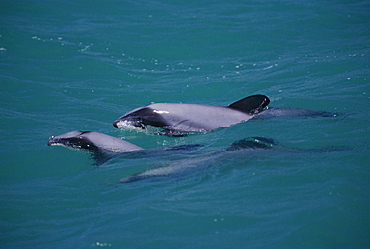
251,104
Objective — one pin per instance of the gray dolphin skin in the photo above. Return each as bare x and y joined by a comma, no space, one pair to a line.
193,118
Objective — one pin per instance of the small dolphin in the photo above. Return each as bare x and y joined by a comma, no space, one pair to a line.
92,140
104,147
193,118
181,119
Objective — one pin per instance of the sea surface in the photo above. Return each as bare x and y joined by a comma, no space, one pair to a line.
79,65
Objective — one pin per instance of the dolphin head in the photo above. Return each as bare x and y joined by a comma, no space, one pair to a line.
140,117
129,120
73,139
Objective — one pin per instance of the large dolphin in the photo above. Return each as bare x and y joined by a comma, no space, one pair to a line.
178,119
193,117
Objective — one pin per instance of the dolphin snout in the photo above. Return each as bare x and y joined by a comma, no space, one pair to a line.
115,123
51,140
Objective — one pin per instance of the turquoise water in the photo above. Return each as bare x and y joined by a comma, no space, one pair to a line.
79,65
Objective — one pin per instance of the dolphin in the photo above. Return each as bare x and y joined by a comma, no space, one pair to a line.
104,147
92,140
193,118
181,119
246,144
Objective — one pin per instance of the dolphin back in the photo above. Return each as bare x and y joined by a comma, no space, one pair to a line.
251,104
252,143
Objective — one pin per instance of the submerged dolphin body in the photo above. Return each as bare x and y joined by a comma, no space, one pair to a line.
250,144
246,144
180,119
192,118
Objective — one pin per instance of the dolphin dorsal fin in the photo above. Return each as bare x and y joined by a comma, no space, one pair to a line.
251,104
